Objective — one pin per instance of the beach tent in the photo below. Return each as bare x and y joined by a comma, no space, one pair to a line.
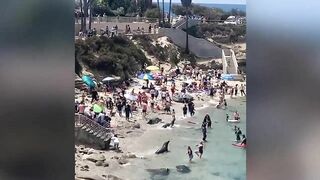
153,68
97,108
88,81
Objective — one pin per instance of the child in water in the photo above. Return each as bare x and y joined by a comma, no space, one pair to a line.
190,154
200,150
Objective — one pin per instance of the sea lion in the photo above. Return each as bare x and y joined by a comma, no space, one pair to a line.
164,148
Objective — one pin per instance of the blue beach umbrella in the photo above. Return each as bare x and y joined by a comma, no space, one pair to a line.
145,76
227,77
88,81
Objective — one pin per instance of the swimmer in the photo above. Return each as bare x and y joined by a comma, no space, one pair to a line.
236,115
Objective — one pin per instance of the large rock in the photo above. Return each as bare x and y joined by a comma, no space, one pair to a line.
166,125
90,177
95,157
183,169
129,155
137,125
159,171
154,120
113,177
122,161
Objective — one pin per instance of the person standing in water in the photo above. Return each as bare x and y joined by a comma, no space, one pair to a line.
242,90
173,118
227,117
238,133
244,140
204,131
200,150
207,120
190,154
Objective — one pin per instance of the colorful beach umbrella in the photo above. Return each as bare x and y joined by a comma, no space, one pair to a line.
97,108
88,81
147,77
153,68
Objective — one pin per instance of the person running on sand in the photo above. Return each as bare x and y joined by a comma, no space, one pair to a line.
128,111
225,103
242,90
144,110
236,90
190,154
185,110
200,149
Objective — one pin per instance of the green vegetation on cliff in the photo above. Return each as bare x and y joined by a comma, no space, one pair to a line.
109,56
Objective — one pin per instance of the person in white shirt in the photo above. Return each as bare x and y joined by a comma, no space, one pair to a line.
115,141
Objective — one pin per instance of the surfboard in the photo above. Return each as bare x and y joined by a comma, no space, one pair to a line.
233,121
239,145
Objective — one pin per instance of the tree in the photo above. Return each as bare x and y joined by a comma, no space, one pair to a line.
159,12
170,4
152,13
186,4
163,12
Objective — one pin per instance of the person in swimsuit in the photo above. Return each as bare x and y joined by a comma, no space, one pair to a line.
207,119
173,118
190,154
185,110
227,117
236,116
200,149
238,133
244,140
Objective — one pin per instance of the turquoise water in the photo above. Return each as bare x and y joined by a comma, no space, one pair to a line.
224,7
221,160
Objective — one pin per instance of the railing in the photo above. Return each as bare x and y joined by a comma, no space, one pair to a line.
117,19
82,120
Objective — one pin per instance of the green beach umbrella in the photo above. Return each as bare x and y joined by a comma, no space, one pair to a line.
97,108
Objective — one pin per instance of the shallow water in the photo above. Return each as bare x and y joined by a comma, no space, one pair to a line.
220,160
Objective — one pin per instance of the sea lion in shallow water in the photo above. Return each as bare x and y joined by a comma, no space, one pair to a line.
164,148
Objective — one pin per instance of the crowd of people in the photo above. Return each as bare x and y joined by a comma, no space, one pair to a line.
114,31
118,100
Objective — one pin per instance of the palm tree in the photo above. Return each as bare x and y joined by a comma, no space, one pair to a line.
186,4
170,4
163,12
159,12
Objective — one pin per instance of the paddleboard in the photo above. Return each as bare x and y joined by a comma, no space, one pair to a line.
240,145
233,121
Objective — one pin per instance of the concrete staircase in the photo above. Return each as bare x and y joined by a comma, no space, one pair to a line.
91,133
229,62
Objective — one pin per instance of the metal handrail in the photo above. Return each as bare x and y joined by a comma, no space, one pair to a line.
82,120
